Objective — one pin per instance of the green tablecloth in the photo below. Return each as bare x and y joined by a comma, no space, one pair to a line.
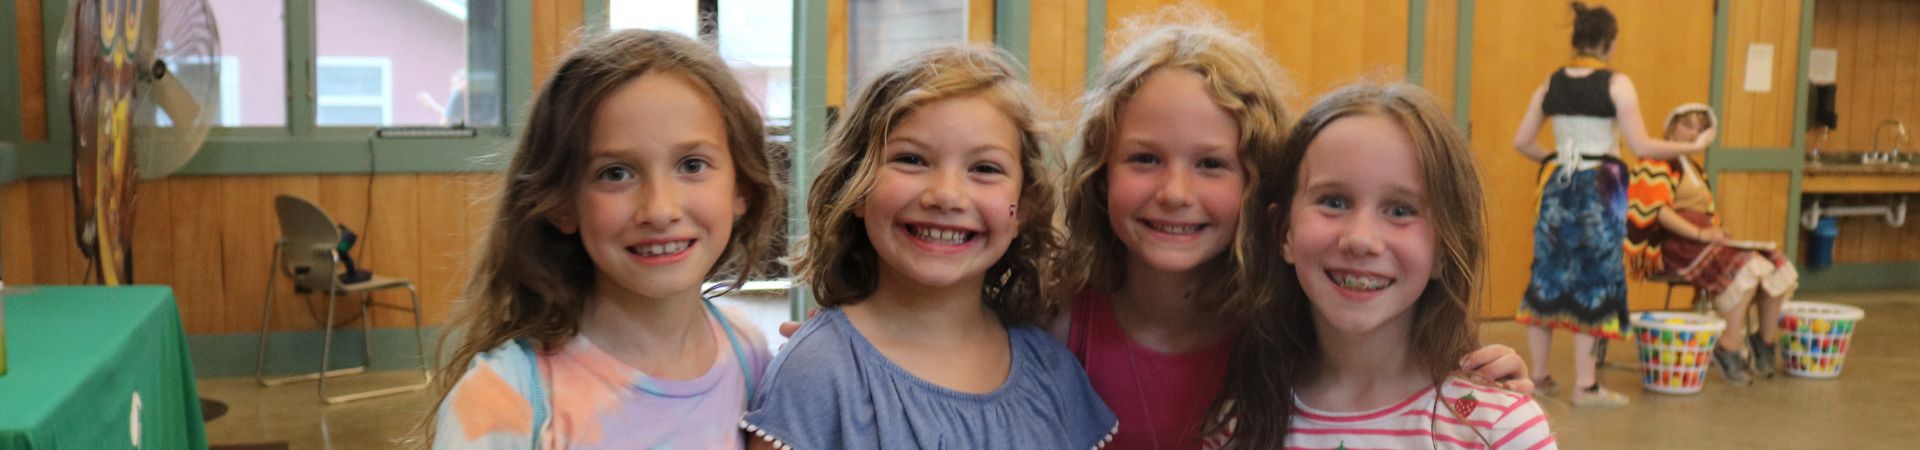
83,361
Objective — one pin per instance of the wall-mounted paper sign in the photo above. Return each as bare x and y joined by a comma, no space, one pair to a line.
1822,65
1759,68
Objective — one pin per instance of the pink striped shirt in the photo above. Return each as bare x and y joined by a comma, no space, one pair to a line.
1498,419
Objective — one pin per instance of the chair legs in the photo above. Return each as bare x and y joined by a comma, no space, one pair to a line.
326,348
366,326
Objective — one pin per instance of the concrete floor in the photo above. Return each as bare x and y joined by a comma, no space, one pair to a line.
1871,405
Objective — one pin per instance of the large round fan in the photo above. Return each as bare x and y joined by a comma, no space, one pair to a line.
144,84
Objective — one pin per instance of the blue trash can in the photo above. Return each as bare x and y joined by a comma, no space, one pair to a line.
1820,255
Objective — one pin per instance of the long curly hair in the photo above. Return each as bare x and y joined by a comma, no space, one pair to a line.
838,260
1239,79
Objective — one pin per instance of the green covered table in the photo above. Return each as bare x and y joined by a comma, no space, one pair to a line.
97,367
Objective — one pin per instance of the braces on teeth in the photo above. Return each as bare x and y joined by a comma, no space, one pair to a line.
1365,283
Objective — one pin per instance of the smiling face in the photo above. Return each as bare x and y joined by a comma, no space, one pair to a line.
657,200
942,206
1361,237
1174,178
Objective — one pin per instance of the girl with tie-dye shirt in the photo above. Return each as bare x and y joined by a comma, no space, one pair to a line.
642,173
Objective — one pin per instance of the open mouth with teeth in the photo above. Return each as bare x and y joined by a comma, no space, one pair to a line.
1359,282
940,235
660,249
1174,229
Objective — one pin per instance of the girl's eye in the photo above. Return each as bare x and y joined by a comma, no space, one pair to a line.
988,168
1402,211
1333,202
910,159
1142,158
1213,163
614,173
694,166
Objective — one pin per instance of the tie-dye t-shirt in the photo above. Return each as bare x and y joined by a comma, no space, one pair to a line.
596,401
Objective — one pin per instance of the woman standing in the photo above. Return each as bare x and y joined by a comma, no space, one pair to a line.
1578,282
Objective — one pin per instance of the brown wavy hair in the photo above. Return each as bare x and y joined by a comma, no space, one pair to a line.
532,281
1239,79
838,260
1280,349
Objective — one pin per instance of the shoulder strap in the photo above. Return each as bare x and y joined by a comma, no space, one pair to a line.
536,391
746,371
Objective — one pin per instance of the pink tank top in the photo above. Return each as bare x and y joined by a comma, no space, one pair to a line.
1161,399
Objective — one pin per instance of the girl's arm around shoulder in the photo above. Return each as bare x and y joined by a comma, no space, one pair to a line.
1507,420
489,407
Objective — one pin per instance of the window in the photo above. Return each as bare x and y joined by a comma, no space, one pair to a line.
353,91
407,62
229,107
755,38
884,31
253,32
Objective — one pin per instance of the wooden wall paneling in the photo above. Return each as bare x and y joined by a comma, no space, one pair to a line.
17,233
442,242
56,256
152,240
555,28
1384,59
1289,41
980,20
1738,115
1909,63
1762,119
1056,61
33,81
837,50
1868,80
393,242
1322,72
1878,69
248,229
1849,72
198,273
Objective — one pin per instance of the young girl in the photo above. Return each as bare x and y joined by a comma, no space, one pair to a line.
1381,226
641,174
1171,142
930,222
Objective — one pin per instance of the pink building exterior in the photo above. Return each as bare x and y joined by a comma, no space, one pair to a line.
421,43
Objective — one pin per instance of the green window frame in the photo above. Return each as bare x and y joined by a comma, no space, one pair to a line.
299,146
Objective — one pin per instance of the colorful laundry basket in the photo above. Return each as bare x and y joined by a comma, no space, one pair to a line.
1675,349
1817,336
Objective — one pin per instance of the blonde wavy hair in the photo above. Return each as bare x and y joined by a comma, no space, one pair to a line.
1240,79
838,260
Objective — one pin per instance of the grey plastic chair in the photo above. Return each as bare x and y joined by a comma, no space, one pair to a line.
306,252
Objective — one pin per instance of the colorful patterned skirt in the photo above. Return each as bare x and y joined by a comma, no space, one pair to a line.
1579,282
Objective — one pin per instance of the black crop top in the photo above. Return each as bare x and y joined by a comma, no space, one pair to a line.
1583,96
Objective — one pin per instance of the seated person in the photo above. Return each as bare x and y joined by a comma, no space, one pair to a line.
1684,239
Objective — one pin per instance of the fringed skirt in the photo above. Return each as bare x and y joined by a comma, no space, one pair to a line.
1579,282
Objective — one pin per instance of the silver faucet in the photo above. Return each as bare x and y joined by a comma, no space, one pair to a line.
1894,154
